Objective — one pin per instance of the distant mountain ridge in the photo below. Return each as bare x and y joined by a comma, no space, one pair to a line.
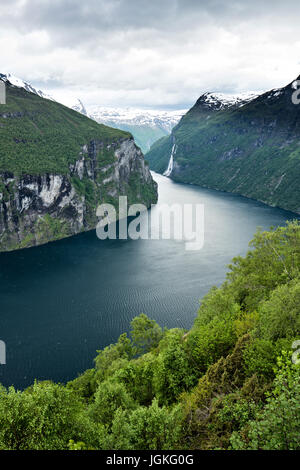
250,147
135,116
146,126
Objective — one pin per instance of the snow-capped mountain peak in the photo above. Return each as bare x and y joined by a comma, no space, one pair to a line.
215,100
146,125
19,83
136,117
79,107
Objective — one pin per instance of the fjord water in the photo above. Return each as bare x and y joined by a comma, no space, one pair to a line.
62,301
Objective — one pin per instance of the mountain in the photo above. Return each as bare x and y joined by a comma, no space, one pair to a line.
79,107
57,166
19,83
161,154
249,146
218,101
146,126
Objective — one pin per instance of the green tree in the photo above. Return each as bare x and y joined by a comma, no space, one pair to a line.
137,375
278,425
145,333
45,416
207,343
146,428
174,373
279,317
273,260
109,397
122,351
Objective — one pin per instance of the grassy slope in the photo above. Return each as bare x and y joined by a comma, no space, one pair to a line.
41,136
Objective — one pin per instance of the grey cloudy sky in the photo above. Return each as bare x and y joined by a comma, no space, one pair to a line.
154,53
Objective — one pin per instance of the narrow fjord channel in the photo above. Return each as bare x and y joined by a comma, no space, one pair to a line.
62,301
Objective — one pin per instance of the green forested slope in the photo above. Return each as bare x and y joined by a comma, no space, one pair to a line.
40,136
253,150
228,383
57,166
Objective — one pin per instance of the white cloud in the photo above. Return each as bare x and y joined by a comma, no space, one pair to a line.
140,53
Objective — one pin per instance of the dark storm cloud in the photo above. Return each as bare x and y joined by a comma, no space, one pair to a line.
73,19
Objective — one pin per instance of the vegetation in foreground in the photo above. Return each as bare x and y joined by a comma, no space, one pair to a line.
228,383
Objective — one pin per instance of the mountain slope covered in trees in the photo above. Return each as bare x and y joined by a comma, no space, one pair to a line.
252,150
57,166
231,382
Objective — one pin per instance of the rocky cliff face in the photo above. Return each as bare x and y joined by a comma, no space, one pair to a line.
57,166
35,209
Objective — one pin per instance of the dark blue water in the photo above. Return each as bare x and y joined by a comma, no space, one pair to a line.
62,301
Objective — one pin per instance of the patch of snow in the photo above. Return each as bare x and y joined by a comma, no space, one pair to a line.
224,100
166,120
79,107
19,83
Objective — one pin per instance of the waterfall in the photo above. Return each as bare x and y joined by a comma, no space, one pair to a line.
171,161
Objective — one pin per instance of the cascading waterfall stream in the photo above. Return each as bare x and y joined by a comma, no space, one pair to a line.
171,162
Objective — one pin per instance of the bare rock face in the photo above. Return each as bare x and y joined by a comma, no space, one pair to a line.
36,209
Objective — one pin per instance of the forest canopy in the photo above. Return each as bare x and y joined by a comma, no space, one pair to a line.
231,382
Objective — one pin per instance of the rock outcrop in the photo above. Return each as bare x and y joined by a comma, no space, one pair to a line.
35,209
50,190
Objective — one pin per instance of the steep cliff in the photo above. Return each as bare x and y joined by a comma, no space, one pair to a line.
57,166
250,148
